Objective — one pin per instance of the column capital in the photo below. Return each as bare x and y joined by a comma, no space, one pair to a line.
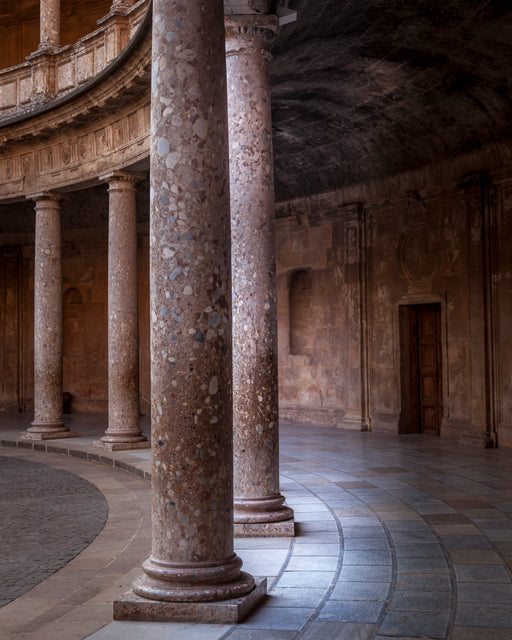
121,179
251,34
45,196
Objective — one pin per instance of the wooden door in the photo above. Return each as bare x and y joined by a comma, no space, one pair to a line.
426,378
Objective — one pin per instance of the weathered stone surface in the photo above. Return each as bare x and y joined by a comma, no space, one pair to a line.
192,556
255,400
49,24
48,419
123,313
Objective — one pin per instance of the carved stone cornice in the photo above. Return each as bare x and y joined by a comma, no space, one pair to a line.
77,155
251,33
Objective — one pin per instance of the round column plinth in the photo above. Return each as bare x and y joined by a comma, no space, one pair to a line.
40,427
47,431
260,510
198,582
124,438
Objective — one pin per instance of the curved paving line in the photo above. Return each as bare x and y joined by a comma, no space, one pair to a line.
393,585
339,565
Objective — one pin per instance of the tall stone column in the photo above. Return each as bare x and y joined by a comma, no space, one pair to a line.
259,508
123,317
49,25
192,572
48,417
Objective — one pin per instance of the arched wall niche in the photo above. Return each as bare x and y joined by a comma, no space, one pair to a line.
301,321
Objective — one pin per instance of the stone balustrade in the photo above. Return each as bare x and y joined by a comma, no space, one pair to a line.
47,76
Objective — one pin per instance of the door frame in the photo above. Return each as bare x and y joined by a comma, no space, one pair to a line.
403,357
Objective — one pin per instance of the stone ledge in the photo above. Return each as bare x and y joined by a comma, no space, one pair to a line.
284,529
133,607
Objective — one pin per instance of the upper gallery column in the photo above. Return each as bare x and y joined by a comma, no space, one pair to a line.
123,317
192,562
49,25
48,418
258,502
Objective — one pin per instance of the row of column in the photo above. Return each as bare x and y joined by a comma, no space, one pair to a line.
212,289
49,22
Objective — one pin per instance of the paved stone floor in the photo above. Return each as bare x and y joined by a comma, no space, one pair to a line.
43,508
398,537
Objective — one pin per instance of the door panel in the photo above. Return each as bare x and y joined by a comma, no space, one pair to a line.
429,369
425,369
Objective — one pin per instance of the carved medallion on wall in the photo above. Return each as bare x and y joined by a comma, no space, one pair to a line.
419,255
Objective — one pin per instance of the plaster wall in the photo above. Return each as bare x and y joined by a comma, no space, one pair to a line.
84,267
447,245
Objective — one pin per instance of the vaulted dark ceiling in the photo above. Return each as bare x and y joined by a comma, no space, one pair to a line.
363,89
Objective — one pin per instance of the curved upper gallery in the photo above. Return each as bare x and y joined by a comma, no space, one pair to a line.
361,91
70,113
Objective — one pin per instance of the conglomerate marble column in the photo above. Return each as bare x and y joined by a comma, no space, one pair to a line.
192,572
49,25
259,508
48,417
123,317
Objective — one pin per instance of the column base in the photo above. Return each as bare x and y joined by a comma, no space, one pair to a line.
121,446
133,607
285,529
48,435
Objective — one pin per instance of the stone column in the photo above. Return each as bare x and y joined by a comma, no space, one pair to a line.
259,506
121,6
49,25
48,418
193,572
123,317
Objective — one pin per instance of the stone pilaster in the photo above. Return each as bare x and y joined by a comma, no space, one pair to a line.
49,25
193,572
48,417
123,323
259,508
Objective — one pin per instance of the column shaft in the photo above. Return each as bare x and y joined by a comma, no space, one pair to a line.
48,417
49,24
123,323
255,376
192,557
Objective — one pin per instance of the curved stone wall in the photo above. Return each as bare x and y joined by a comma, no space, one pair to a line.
101,125
57,74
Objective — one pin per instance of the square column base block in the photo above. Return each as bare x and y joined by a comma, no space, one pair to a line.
121,446
29,435
284,529
132,607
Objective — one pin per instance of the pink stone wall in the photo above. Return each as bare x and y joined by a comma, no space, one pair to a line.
85,323
442,246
